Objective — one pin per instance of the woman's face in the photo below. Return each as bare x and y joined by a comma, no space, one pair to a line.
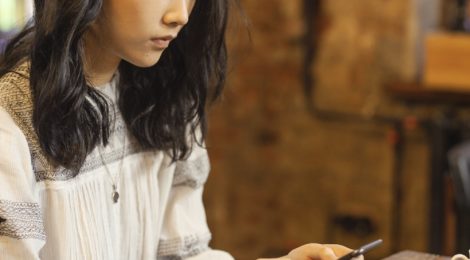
138,31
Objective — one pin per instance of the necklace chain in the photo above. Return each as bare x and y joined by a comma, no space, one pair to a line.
115,194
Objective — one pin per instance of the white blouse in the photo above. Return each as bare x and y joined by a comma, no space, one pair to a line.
159,215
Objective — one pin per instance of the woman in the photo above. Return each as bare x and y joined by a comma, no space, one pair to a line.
102,152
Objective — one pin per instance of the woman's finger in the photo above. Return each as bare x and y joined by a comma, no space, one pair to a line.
342,250
313,251
339,249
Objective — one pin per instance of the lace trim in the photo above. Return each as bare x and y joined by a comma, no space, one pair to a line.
183,247
22,220
93,160
192,173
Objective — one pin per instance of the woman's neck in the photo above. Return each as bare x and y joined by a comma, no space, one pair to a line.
100,63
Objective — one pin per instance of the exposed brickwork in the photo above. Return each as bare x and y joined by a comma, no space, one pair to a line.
280,175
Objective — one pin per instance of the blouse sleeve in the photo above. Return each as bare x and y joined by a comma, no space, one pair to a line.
21,226
185,233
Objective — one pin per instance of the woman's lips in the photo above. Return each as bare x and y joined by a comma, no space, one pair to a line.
162,42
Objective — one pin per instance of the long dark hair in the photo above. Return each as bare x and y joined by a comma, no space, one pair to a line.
161,103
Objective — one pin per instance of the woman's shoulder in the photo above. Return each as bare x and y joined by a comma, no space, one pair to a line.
9,127
16,106
15,93
17,78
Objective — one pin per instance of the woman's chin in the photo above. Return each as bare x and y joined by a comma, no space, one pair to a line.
147,61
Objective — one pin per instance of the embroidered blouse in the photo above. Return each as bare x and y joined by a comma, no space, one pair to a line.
47,213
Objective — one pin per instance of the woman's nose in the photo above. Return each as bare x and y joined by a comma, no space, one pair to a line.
177,13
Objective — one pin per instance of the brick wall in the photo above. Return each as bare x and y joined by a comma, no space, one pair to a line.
281,175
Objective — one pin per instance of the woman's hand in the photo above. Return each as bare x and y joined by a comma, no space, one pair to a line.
316,252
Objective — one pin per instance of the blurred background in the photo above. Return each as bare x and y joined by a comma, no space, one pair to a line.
342,122
13,15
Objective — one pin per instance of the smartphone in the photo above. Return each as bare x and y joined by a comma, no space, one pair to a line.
361,250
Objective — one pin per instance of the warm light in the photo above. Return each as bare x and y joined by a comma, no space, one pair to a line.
14,14
7,15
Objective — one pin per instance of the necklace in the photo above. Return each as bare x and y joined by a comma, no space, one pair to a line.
115,193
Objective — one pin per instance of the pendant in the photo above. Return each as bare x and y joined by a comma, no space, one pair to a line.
115,194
